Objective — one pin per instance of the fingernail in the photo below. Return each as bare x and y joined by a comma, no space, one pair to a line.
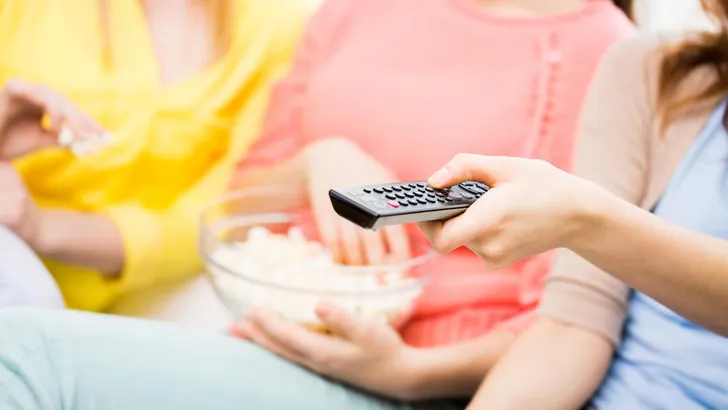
323,309
439,178
239,329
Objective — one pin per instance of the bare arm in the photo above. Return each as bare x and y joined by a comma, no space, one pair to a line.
457,370
685,270
559,362
552,365
82,239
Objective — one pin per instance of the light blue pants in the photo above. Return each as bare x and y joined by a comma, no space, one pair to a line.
24,280
52,359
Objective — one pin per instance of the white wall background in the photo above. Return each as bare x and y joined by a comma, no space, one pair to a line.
671,15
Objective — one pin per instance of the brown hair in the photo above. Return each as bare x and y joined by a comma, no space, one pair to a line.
707,49
627,7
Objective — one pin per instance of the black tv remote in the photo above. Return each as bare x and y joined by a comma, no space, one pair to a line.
375,206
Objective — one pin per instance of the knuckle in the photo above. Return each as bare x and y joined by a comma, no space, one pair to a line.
491,250
540,166
441,244
459,162
495,253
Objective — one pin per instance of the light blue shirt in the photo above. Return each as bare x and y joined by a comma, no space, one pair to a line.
666,362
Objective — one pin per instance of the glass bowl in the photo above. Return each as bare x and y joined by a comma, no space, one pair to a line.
230,227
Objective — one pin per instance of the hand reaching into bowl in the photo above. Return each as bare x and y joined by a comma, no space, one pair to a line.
22,108
340,163
532,207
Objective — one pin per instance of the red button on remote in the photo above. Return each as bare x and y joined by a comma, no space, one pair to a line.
393,204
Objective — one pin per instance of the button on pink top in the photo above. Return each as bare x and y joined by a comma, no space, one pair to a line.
416,82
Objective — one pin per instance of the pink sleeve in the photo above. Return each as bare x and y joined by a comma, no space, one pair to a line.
281,133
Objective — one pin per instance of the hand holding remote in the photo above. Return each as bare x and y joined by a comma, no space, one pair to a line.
532,207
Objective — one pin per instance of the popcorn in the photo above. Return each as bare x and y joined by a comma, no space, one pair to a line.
291,275
66,138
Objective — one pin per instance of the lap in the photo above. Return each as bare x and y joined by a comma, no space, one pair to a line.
24,280
85,361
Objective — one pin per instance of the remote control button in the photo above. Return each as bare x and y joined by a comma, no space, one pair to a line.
412,202
455,197
406,187
390,196
422,201
368,190
440,199
467,196
413,186
403,203
429,189
399,195
396,188
474,187
387,189
448,199
421,184
419,192
378,190
393,204
409,195
430,200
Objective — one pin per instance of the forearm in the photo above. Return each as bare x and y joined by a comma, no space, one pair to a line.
457,370
292,172
685,270
77,238
289,171
551,366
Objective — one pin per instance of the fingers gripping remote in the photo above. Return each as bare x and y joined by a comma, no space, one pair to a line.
375,206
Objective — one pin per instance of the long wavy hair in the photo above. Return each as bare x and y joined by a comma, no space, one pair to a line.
707,50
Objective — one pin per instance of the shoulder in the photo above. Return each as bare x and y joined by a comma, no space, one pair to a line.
630,69
637,61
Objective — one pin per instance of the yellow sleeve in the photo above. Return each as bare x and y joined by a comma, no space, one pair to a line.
161,245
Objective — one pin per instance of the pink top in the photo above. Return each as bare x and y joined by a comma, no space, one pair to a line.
416,82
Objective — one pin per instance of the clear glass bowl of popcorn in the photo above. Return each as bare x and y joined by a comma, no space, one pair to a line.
260,249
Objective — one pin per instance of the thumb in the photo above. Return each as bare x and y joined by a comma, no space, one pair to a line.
341,322
470,167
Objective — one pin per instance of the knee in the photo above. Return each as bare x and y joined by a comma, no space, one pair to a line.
24,328
24,358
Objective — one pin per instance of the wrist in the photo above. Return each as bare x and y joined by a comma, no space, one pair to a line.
415,374
432,373
37,234
593,212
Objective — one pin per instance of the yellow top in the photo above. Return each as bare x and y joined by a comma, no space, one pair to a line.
174,148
